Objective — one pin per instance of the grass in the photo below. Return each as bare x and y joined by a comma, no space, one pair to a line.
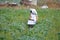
13,24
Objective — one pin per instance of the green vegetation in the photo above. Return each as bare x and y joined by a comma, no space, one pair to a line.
13,24
14,1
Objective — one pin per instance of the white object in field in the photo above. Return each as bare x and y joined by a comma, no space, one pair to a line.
33,17
33,14
33,10
30,22
44,6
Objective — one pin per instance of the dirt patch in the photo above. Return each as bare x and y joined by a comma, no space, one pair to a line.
50,5
53,5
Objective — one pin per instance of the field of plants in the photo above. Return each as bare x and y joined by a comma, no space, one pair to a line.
13,24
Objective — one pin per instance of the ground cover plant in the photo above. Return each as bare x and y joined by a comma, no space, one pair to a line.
13,24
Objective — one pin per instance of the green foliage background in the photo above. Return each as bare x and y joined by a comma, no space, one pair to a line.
15,1
13,24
